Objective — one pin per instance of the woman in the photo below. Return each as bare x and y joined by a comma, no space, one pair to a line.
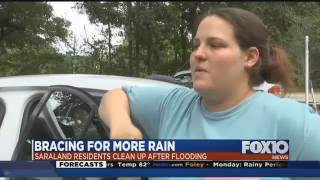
231,54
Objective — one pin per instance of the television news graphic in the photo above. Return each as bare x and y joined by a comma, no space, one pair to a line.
161,158
265,147
48,169
163,153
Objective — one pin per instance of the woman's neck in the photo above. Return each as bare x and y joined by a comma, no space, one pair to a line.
214,104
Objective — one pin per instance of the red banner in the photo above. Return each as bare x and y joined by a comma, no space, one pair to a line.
150,156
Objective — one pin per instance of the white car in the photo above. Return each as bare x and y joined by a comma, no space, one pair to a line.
184,77
54,107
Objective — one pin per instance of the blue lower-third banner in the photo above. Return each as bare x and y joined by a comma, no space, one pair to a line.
160,168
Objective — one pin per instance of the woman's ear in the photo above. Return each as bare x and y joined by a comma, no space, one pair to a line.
253,56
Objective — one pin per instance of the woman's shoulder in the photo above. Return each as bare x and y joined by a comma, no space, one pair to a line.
288,113
283,104
293,120
182,95
184,91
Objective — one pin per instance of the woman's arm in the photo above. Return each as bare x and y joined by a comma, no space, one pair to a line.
115,113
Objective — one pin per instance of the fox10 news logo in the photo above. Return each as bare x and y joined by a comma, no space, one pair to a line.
265,147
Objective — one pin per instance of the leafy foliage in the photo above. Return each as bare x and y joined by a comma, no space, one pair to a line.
27,32
155,36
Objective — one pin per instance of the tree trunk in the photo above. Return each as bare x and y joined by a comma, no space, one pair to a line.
183,44
149,44
183,41
149,55
109,44
130,58
137,40
137,62
128,34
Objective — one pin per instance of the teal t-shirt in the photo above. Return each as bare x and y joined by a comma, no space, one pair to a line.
178,113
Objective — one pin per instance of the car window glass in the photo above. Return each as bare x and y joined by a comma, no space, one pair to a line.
72,114
68,111
63,115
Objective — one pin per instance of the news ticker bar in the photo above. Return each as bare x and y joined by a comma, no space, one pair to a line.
48,169
171,164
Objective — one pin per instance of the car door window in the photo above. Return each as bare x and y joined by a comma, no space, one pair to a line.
63,112
72,114
60,113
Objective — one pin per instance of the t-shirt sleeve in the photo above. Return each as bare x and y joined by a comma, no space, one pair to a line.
146,106
311,144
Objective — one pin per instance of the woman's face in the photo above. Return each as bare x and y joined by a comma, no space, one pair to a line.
217,62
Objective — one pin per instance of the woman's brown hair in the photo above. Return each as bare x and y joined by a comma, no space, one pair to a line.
273,65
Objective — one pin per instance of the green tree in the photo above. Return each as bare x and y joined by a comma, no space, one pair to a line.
157,34
28,31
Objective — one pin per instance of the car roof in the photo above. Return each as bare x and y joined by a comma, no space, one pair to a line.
182,72
90,81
